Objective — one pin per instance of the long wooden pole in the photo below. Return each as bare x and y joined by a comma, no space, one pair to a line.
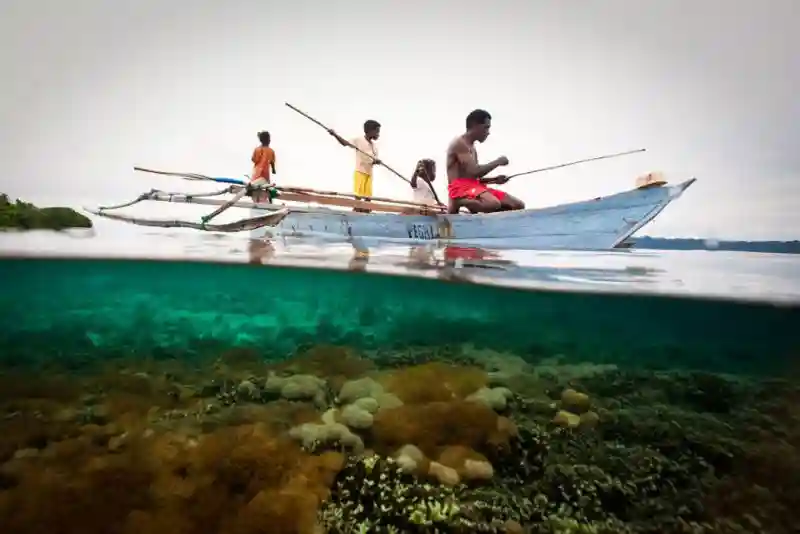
315,121
307,190
577,162
318,123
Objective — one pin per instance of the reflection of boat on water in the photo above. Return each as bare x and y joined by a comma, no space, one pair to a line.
260,251
464,264
474,263
425,257
467,253
359,260
600,223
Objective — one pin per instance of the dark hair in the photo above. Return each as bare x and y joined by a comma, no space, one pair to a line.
477,116
264,137
425,169
371,125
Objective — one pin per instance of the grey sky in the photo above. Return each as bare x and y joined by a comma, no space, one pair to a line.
91,88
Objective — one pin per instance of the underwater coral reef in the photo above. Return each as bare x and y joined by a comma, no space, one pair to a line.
450,440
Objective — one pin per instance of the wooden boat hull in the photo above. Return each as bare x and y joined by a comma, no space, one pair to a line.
601,223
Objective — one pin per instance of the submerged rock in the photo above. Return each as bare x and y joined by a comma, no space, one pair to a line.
494,398
298,387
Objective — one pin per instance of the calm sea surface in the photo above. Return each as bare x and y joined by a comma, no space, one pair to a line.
716,274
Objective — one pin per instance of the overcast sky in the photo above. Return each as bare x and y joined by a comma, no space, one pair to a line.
91,88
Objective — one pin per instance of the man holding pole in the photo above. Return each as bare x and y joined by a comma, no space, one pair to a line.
366,158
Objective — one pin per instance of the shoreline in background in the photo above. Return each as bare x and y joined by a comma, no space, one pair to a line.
678,243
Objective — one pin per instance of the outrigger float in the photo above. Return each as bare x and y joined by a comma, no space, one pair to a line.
600,223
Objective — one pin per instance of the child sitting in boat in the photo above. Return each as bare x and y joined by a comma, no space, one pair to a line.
263,162
421,182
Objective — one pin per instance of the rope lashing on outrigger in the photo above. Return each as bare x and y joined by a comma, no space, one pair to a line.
251,223
154,193
247,190
237,226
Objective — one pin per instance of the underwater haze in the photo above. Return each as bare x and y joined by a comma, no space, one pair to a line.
194,383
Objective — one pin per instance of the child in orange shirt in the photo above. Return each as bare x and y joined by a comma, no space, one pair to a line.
263,162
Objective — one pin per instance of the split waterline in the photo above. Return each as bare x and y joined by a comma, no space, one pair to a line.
163,396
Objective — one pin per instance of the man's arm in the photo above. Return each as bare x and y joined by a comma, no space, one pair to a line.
465,158
272,163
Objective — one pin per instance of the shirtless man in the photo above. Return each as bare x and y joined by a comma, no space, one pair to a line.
467,179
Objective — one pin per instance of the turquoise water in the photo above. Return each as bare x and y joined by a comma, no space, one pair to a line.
97,307
474,391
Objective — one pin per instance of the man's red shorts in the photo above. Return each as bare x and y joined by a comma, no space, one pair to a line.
471,188
464,253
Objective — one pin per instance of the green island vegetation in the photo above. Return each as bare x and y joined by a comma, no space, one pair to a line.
25,216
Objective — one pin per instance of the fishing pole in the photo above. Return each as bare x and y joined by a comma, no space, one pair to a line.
577,162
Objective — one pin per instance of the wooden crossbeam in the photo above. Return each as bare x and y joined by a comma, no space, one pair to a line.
306,198
307,190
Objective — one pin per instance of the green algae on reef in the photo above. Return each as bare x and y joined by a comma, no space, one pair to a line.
25,216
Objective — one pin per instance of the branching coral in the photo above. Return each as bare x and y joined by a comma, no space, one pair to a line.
372,494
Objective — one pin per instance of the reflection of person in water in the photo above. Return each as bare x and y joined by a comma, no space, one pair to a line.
422,256
359,260
260,251
467,253
449,273
455,268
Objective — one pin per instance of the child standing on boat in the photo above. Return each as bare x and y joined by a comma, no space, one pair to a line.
366,159
263,162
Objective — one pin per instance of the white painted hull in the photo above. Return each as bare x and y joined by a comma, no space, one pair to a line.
602,223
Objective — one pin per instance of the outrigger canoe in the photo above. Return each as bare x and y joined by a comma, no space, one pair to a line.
601,223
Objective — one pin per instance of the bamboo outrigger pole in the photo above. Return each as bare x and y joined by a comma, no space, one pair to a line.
237,183
295,194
